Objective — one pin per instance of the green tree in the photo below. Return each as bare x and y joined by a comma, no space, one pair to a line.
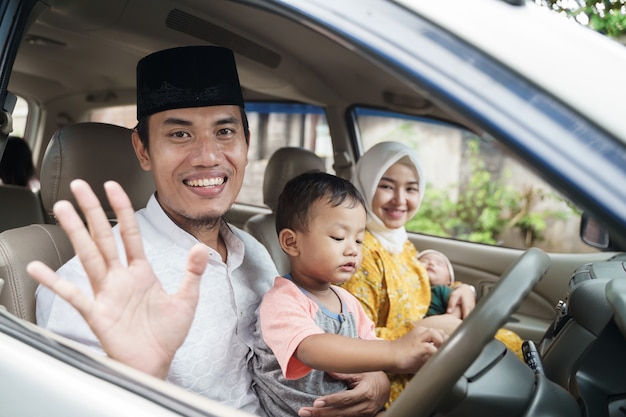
485,207
605,16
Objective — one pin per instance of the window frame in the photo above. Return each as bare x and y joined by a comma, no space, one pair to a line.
532,210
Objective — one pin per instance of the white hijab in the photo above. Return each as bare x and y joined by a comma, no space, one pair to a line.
368,172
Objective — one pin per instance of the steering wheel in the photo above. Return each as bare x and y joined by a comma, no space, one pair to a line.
616,296
439,374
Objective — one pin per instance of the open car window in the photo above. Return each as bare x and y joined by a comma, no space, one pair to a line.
532,110
273,125
475,191
276,125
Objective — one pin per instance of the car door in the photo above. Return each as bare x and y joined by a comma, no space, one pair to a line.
537,138
44,374
12,18
482,208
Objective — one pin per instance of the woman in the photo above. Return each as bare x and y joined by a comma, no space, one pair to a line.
391,284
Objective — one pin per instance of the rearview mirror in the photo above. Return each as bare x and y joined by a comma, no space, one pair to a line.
593,233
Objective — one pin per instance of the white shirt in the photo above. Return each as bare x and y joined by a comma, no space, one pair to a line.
213,359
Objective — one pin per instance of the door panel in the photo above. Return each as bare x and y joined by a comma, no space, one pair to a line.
483,265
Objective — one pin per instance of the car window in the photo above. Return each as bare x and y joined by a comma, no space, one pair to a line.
272,126
277,125
125,116
19,121
20,116
474,191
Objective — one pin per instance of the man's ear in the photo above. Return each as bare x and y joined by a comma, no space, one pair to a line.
141,152
288,242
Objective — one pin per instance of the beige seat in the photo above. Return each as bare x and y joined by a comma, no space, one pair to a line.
19,206
95,152
283,165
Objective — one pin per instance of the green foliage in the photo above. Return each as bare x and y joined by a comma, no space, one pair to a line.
605,16
613,24
485,208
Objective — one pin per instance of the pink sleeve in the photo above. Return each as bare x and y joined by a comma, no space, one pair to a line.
287,318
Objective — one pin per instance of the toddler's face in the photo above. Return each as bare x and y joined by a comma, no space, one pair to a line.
330,250
437,268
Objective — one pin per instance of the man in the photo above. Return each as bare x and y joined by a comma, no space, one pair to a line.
190,323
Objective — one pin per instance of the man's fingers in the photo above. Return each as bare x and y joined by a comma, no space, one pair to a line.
64,289
82,242
196,264
367,395
127,220
99,225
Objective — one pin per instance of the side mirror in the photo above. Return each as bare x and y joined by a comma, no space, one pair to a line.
593,233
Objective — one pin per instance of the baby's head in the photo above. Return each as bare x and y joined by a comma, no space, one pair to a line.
438,265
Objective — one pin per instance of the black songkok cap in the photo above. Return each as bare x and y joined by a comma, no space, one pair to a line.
190,76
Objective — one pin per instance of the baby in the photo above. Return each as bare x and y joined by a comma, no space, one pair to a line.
441,275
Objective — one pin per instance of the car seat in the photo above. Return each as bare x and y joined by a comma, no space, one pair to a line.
284,164
20,207
95,152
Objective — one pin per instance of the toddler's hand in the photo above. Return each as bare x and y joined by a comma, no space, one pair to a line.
413,349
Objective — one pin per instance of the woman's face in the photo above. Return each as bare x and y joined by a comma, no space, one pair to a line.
397,196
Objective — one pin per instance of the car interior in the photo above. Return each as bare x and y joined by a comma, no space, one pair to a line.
25,207
75,58
95,152
284,164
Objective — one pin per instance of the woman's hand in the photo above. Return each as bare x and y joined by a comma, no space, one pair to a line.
135,320
462,301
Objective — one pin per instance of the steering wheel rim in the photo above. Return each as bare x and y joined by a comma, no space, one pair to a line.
435,379
616,297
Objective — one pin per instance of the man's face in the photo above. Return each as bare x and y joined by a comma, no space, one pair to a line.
198,158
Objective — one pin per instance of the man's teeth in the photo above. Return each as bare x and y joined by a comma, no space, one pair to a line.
205,182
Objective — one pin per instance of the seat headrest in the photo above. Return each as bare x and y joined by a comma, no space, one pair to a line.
283,165
96,153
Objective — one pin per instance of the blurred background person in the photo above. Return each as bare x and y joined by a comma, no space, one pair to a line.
16,165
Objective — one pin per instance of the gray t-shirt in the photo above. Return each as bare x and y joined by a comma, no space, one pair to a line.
286,317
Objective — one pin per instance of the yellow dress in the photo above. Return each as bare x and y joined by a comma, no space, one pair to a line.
394,290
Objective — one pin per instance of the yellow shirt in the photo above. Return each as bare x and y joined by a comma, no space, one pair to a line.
394,291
